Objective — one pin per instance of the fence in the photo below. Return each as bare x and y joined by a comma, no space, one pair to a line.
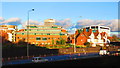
61,52
26,57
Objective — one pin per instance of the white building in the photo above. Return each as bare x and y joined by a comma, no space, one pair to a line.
99,28
101,38
10,29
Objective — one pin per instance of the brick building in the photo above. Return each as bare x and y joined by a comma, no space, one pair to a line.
95,35
42,34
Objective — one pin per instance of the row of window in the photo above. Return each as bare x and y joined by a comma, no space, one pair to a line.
40,30
93,30
38,38
43,27
41,34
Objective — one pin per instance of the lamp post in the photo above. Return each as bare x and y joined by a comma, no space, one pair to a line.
74,47
28,31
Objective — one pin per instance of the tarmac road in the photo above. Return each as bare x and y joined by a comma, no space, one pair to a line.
102,62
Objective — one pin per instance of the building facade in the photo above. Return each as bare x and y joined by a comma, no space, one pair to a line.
10,30
46,34
95,35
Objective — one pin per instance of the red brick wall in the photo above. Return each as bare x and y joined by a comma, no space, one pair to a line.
81,39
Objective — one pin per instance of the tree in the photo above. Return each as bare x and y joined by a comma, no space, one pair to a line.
87,44
61,42
114,38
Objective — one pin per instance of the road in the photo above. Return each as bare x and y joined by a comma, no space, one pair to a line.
55,58
97,62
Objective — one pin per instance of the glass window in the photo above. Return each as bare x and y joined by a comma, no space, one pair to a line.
22,33
54,27
39,58
38,38
33,26
48,33
87,30
48,38
44,38
34,30
31,33
44,34
93,30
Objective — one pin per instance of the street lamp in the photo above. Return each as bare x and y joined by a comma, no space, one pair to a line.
28,31
74,47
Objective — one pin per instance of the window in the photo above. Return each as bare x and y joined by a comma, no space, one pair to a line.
93,30
22,33
87,30
34,30
48,33
38,38
44,34
33,26
32,33
54,27
39,58
82,35
104,28
19,33
44,38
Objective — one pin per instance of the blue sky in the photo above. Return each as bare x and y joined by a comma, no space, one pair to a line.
73,14
61,10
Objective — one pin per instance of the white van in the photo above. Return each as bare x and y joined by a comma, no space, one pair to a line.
39,59
102,52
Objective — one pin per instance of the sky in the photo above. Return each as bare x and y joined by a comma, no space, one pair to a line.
70,15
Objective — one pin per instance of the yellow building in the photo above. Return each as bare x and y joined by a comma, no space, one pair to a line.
42,34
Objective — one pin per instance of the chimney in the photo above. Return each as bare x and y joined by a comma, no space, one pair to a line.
76,32
84,30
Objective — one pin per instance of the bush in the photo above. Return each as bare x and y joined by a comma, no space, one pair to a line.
87,44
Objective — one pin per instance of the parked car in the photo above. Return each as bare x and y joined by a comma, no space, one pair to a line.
39,59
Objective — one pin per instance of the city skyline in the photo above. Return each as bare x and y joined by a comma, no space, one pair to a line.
70,15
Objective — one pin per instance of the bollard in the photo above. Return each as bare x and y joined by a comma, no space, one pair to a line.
8,59
21,57
16,58
44,55
79,54
85,53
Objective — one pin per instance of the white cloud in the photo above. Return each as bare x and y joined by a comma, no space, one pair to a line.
1,19
66,23
113,24
11,21
31,22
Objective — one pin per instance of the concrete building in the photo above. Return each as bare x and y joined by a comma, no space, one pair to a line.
42,34
10,30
